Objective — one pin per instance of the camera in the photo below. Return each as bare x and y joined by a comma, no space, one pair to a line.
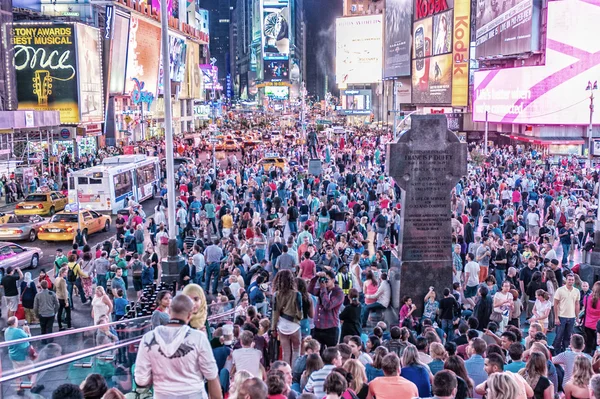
323,280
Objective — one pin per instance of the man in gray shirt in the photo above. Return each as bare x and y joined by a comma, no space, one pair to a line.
101,266
285,261
212,255
45,307
483,256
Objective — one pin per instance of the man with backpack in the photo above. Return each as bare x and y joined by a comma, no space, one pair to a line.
293,214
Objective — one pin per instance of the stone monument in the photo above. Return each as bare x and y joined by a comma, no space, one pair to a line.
426,162
172,265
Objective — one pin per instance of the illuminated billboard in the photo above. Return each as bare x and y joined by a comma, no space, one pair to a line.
45,63
277,71
356,102
277,92
276,29
398,21
210,77
460,53
432,80
143,55
551,94
359,53
91,103
118,59
508,29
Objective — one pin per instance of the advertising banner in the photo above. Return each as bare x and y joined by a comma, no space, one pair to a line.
91,104
256,21
403,87
506,30
143,55
554,93
359,54
277,92
397,39
45,63
432,80
460,53
118,60
356,102
177,54
193,81
276,29
277,71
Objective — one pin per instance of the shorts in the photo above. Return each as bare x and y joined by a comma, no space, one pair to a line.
534,231
12,303
137,284
471,291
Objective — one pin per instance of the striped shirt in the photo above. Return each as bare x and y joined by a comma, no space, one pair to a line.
317,380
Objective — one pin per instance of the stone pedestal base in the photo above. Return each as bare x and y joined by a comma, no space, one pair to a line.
172,265
314,167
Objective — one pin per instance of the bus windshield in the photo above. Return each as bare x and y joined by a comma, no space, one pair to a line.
64,218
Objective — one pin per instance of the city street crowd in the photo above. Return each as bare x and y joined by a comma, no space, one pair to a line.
302,262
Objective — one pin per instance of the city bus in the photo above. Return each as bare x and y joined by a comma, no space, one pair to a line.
104,188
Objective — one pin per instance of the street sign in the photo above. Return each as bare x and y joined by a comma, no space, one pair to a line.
128,119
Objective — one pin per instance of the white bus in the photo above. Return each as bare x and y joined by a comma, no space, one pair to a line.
104,188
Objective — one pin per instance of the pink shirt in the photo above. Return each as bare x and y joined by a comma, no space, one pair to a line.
591,315
307,268
370,289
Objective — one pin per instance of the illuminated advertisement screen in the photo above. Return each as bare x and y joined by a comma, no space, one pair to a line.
43,85
143,55
276,29
91,104
398,19
118,60
277,71
177,55
359,54
432,80
512,28
277,92
551,94
356,102
210,76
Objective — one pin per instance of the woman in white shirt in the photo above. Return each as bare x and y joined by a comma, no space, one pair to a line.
503,304
541,309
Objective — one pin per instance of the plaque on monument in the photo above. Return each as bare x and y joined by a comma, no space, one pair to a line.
426,162
314,167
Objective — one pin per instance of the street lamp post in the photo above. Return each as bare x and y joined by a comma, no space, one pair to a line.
591,87
174,261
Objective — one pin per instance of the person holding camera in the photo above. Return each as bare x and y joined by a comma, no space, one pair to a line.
331,298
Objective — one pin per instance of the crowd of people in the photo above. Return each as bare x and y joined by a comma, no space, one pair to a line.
302,262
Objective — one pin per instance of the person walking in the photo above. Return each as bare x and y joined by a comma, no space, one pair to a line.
62,294
11,292
287,313
20,354
101,305
28,293
331,298
45,307
566,309
213,255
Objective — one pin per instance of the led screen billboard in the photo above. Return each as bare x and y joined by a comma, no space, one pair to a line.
277,92
397,38
551,94
91,104
118,59
359,53
356,102
432,80
45,63
276,29
277,71
507,28
460,53
143,55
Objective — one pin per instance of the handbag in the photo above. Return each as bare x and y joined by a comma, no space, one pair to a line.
496,317
33,355
20,313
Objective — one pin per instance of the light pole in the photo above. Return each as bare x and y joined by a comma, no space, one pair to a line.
174,261
591,87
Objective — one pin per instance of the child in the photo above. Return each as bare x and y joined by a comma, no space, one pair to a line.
309,347
120,306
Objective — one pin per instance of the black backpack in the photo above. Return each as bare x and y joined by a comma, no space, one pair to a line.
381,221
71,276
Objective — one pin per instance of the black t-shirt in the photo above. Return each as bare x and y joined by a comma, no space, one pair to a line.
500,255
447,306
9,282
526,274
541,386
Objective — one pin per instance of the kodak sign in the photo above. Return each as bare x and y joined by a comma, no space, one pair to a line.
426,8
460,53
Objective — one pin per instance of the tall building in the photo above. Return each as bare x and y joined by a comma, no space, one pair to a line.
320,46
240,42
219,27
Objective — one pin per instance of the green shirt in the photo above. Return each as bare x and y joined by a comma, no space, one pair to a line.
17,352
59,262
210,210
121,264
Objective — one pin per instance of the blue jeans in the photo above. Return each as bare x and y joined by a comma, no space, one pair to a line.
224,379
259,207
563,333
213,268
367,310
79,288
565,257
293,227
101,280
448,328
500,276
260,254
199,277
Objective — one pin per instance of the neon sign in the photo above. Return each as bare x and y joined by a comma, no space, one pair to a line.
139,95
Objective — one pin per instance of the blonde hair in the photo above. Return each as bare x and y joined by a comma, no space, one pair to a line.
437,351
199,318
582,372
411,356
502,386
357,369
238,380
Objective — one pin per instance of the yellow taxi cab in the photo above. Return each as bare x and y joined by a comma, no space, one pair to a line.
63,226
231,145
4,217
272,161
42,203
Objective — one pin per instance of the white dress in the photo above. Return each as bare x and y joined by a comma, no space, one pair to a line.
100,308
159,216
